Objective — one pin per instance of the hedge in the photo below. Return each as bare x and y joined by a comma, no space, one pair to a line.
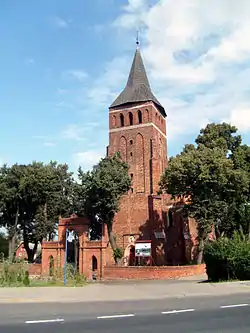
228,259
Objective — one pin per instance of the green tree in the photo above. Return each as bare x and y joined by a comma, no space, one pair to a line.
100,192
33,196
208,178
10,201
3,245
222,136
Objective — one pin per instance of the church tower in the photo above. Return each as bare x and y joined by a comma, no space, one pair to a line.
137,129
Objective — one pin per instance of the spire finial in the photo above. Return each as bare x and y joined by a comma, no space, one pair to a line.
137,39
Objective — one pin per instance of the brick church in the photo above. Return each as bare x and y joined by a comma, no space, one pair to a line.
137,129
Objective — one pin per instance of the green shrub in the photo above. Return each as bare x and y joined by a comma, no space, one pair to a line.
228,259
117,254
72,275
13,274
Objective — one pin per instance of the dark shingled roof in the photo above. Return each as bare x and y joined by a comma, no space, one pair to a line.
138,88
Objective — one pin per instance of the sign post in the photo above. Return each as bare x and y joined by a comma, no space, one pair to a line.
143,250
65,258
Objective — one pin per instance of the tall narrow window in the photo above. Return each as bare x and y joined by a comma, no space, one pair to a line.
130,118
122,120
140,167
151,166
139,117
170,219
123,148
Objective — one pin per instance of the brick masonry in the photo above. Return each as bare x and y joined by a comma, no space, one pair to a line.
151,272
88,250
138,132
33,269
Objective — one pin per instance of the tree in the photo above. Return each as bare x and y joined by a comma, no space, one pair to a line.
100,192
3,245
241,159
33,196
207,178
222,136
10,199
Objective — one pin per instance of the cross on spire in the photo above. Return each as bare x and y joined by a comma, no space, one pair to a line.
137,39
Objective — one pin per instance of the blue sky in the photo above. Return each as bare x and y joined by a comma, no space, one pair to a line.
63,63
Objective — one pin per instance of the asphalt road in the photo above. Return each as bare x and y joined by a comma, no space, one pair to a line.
189,315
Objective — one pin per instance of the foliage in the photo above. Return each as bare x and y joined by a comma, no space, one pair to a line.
117,254
3,245
31,199
228,259
100,191
213,179
73,278
16,274
13,274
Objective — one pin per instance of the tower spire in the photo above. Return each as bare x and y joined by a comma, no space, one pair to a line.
137,89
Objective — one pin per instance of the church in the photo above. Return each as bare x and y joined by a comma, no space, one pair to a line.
137,130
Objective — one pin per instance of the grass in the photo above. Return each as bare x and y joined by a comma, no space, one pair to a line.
16,274
57,283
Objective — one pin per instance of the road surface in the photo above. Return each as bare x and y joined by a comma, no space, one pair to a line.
224,314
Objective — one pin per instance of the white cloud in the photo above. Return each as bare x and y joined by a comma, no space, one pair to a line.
62,91
63,104
60,22
240,117
134,14
87,159
49,144
30,61
76,74
197,54
78,133
102,90
73,132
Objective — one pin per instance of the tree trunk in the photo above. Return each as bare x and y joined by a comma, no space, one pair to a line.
12,241
200,251
111,235
10,247
30,252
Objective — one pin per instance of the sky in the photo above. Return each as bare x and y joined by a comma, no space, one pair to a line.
63,63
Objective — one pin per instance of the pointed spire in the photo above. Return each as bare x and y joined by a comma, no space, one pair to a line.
137,89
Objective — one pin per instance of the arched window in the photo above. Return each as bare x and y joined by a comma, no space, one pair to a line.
94,263
130,118
51,266
122,120
114,121
139,117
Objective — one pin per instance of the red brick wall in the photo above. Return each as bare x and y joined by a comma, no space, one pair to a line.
133,142
139,214
35,269
152,272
